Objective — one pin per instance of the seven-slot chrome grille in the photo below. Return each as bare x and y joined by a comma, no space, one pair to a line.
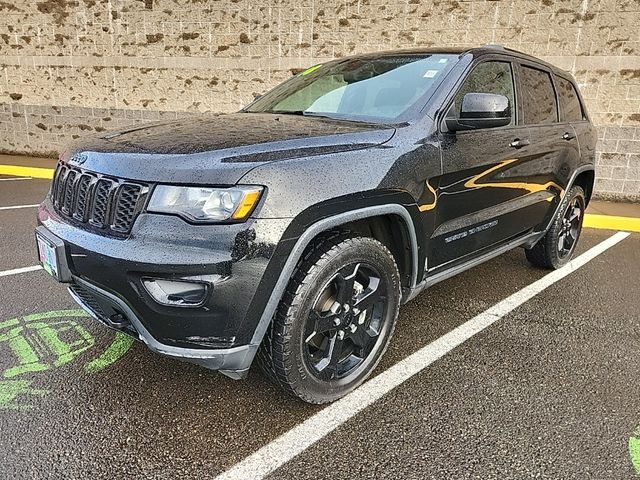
105,203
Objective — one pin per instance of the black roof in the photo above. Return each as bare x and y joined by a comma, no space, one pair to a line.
476,51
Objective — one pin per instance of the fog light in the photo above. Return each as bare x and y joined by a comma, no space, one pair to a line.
177,293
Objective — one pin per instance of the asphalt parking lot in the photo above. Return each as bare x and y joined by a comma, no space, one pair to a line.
550,390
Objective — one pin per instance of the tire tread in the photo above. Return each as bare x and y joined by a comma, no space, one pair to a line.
274,356
542,253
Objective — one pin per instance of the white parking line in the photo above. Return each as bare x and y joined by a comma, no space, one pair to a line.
16,271
13,207
298,439
14,179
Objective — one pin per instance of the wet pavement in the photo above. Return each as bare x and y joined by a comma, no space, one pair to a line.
549,391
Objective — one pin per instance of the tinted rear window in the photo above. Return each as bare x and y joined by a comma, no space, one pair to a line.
571,108
538,97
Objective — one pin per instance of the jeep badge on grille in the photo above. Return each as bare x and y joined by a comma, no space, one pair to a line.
78,158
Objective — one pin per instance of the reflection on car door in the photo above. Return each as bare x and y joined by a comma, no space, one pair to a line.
554,148
572,112
489,191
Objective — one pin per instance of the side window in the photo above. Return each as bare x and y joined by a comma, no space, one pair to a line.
488,77
571,108
538,97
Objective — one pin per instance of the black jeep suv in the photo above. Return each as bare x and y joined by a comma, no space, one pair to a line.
292,231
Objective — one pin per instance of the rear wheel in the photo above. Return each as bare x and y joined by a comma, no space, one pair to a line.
556,248
335,319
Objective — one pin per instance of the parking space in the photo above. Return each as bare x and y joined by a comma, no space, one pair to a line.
550,390
20,243
23,192
8,178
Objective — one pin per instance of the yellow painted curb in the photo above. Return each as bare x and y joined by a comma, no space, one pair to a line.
610,222
18,171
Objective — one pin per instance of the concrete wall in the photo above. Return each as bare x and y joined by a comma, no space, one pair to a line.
72,67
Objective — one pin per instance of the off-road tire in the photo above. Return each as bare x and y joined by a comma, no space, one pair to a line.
545,253
281,353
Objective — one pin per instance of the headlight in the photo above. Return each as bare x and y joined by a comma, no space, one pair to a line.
202,204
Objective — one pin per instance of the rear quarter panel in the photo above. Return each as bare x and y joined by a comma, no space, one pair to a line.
587,136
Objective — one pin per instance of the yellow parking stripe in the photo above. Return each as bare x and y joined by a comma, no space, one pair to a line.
610,222
18,171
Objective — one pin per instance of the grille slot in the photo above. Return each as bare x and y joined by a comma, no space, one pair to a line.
103,203
59,185
68,192
101,198
127,195
84,183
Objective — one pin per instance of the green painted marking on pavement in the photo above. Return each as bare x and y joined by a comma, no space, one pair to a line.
121,344
634,450
74,312
43,341
11,389
9,323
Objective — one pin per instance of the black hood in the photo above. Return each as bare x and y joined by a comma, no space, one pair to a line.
219,149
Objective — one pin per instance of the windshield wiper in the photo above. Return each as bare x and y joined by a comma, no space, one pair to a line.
305,113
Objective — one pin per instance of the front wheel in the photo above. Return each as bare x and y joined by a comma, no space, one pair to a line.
556,248
335,319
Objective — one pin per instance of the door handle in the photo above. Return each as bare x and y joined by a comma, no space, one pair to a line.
518,143
568,136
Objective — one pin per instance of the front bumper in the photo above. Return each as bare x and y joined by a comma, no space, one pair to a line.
114,313
106,280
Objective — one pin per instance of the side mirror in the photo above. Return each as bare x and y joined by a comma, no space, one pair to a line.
481,110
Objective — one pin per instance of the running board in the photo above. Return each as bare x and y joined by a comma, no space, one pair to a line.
528,239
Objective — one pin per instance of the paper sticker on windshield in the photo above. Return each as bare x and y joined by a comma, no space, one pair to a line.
443,60
310,70
430,73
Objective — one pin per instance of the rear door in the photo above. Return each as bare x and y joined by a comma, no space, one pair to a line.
481,194
572,113
554,151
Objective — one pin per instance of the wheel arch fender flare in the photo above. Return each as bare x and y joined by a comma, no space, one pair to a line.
318,228
572,180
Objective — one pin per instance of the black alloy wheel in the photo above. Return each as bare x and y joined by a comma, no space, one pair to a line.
335,319
558,245
345,323
570,228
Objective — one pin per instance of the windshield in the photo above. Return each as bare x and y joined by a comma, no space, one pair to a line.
358,88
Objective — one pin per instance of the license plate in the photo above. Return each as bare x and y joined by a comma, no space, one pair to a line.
47,254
